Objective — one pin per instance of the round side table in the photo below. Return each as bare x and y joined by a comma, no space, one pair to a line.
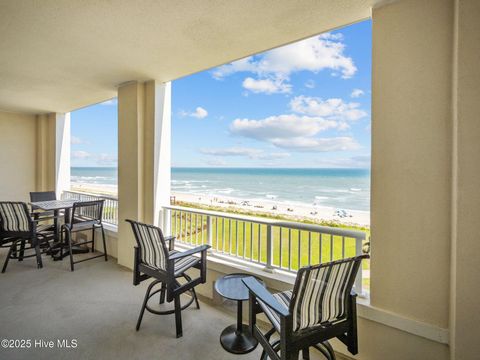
236,338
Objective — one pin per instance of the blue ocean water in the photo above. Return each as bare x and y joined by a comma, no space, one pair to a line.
338,188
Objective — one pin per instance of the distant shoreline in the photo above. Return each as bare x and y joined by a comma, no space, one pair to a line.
267,207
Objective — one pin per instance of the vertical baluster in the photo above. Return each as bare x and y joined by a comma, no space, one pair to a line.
299,250
331,247
236,237
309,248
251,240
281,245
223,234
191,228
216,230
209,231
320,248
343,247
196,228
259,242
180,236
269,266
244,239
230,236
289,249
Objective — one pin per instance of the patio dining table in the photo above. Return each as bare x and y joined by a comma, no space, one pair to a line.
56,206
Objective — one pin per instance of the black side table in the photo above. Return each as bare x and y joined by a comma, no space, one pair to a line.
236,338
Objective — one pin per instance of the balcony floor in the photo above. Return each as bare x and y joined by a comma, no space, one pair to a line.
98,306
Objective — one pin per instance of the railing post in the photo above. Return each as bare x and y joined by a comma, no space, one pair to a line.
209,231
359,278
166,219
269,265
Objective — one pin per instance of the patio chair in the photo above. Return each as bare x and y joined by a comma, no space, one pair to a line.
18,232
154,259
85,216
321,306
45,218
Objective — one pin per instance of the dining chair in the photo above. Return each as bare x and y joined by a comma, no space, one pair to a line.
45,218
153,259
320,307
18,231
85,216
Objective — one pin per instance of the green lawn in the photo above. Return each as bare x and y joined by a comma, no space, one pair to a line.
249,240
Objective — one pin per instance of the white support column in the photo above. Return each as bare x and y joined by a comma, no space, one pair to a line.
62,153
162,148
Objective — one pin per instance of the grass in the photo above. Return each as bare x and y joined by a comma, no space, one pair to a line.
292,248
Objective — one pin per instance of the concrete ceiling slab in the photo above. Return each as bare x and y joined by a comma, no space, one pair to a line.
59,55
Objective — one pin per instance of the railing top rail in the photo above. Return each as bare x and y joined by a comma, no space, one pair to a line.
91,194
273,222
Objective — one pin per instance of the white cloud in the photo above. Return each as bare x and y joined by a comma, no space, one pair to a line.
310,84
282,126
111,102
217,162
314,54
252,153
80,154
304,144
100,159
199,113
357,93
267,86
75,140
332,109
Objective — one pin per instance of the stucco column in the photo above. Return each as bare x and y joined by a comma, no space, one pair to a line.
53,152
143,158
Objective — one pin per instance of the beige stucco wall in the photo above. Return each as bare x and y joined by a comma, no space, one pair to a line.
17,156
465,317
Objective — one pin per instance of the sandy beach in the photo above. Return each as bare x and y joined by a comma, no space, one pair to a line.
294,211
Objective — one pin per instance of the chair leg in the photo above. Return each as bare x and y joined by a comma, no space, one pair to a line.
10,251
306,354
178,316
104,244
326,349
196,298
144,305
69,240
162,293
38,254
93,239
22,250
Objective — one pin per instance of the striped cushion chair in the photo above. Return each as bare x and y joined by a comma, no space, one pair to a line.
18,229
153,259
321,306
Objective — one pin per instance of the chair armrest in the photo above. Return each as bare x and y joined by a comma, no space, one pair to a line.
255,288
183,254
169,238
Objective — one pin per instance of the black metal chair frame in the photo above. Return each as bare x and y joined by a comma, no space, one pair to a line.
16,240
171,288
292,342
46,216
75,226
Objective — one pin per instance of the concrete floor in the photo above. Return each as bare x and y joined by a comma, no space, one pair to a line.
97,306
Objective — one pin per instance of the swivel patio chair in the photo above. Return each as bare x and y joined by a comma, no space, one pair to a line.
154,259
86,216
46,220
19,232
321,306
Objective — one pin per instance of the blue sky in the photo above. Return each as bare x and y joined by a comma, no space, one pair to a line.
302,105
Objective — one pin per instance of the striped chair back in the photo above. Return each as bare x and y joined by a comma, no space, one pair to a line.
150,241
321,293
15,218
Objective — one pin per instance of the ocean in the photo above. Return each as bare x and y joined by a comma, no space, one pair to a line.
338,188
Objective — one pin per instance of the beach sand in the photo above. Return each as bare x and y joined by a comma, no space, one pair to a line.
291,210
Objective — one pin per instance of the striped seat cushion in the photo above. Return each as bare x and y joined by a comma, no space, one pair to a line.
152,248
283,298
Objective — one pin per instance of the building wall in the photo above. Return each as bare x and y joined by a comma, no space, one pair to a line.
17,156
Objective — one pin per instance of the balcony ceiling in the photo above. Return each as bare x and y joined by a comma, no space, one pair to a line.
57,56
